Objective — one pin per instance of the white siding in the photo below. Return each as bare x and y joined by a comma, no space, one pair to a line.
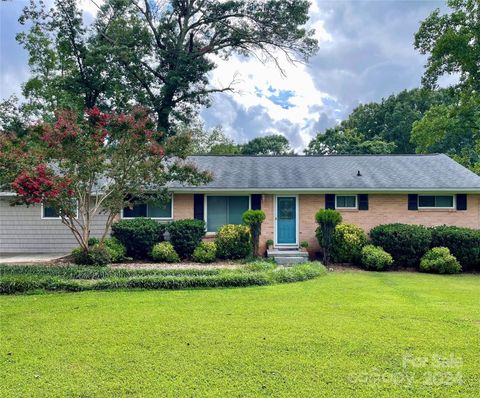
22,230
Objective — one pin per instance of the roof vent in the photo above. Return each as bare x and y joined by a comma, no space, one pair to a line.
359,174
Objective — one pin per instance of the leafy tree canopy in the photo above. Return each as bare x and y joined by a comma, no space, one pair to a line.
452,42
153,53
274,144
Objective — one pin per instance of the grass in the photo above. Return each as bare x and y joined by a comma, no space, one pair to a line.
24,279
327,337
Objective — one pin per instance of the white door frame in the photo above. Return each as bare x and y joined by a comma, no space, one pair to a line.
296,221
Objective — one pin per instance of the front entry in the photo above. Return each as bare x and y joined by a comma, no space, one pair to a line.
286,220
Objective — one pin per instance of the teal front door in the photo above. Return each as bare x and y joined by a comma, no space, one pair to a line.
286,220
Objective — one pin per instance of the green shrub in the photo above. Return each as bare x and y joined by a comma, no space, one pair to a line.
406,243
254,220
374,258
115,249
96,255
164,252
138,235
327,220
186,235
304,244
205,252
233,241
347,243
464,244
92,241
439,260
259,266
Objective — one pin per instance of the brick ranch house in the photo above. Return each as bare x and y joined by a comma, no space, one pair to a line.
368,190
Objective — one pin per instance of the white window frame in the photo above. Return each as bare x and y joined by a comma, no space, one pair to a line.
53,218
346,208
454,203
153,218
205,208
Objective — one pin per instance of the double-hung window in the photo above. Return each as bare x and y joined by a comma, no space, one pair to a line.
150,210
51,213
346,201
436,202
223,210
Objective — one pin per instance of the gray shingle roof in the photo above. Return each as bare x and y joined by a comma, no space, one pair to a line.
339,172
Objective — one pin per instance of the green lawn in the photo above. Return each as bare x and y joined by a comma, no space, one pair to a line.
342,335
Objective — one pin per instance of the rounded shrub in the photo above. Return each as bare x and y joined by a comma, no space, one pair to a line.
115,249
347,243
164,252
406,243
186,235
464,244
233,241
205,252
439,260
96,255
138,235
374,258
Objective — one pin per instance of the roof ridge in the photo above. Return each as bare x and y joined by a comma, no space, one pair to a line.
319,156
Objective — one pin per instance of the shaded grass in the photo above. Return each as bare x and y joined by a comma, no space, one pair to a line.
313,339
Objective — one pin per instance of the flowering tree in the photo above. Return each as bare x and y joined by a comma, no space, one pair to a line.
93,163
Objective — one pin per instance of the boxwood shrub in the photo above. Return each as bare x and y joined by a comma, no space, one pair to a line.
186,235
233,241
205,252
406,243
439,260
347,243
138,235
96,255
464,244
374,258
164,252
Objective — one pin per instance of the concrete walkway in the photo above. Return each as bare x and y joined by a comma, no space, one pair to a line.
29,258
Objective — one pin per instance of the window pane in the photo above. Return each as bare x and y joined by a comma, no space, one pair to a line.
426,201
237,205
216,212
444,201
347,201
50,212
160,210
139,210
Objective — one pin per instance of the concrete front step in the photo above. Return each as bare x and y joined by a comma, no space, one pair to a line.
290,260
286,253
288,256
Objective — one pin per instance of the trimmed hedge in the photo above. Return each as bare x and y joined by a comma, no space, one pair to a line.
96,255
20,280
186,235
464,244
439,260
233,241
374,258
164,252
406,243
138,235
205,252
347,243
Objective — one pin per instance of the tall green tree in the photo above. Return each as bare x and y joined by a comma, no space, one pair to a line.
452,43
153,53
346,141
274,144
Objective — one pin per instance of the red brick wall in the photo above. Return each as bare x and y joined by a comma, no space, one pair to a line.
383,209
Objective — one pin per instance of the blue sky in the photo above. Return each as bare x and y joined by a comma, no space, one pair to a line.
366,53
